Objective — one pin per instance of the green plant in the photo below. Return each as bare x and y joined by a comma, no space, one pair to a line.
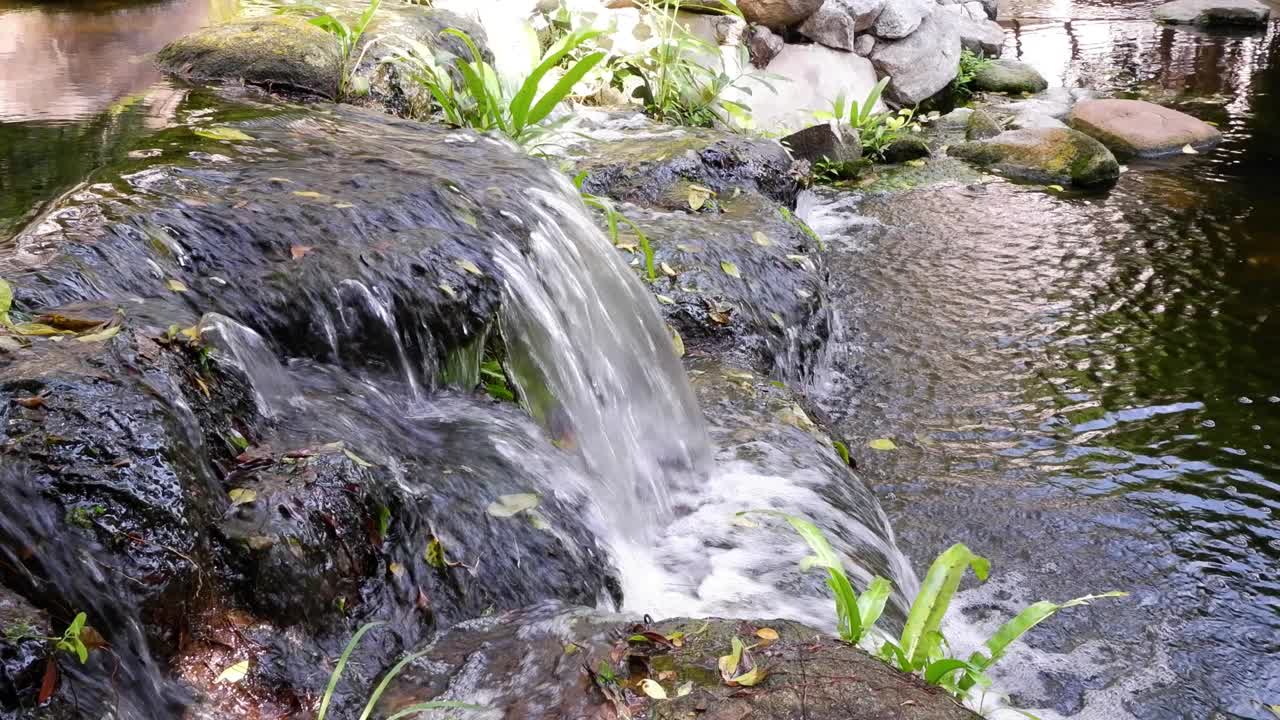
348,36
469,93
671,82
971,64
855,614
395,671
876,130
613,220
922,648
72,640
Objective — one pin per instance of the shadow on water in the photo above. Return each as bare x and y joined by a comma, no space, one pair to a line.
1085,388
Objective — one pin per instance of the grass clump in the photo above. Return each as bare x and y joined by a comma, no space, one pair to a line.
971,64
922,648
876,130
348,37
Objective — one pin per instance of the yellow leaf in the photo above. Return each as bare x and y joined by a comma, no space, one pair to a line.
356,458
508,505
242,496
760,239
677,342
729,663
684,689
767,634
1056,188
882,444
234,673
749,678
176,285
730,269
309,194
698,197
667,270
469,267
222,133
396,569
101,335
36,329
653,689
448,290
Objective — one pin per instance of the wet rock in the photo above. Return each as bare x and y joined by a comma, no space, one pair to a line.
981,125
979,35
763,44
746,285
778,14
1055,102
1009,76
657,171
1034,120
900,18
827,141
551,662
922,64
814,77
838,23
1214,12
907,147
23,651
279,52
1045,155
389,88
1136,127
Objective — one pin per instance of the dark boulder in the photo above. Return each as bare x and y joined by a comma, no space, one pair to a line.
827,141
907,147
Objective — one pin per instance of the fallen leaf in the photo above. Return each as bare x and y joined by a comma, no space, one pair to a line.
469,267
685,688
176,285
31,403
49,683
36,329
653,689
356,458
234,673
101,335
767,634
667,270
728,664
299,251
396,569
677,342
509,505
222,133
688,248
760,239
730,269
918,162
749,678
312,194
1056,188
664,300
882,444
1188,150
6,297
448,290
698,196
242,496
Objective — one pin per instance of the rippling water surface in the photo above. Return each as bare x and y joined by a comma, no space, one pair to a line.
1086,388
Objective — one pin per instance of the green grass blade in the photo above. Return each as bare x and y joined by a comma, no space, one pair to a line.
872,98
386,681
931,604
524,97
435,705
342,666
561,89
365,17
935,672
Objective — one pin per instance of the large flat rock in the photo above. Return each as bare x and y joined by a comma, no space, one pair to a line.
1214,12
1136,127
923,63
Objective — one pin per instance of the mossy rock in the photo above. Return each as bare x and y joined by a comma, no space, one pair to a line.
982,125
1050,155
1009,76
280,52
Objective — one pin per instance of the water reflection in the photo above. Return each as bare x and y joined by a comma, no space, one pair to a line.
71,61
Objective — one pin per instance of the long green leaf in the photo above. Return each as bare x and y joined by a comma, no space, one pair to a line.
365,17
935,672
931,604
342,666
872,601
869,104
386,681
524,97
561,89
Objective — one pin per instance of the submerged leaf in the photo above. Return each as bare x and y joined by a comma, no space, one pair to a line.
760,239
222,133
698,196
234,673
101,335
470,267
653,689
356,458
1056,188
509,505
309,194
730,269
6,297
242,496
176,285
749,678
884,444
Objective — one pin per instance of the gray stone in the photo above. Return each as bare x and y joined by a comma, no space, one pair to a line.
1031,120
730,30
1009,76
1136,127
907,147
900,18
763,45
956,119
980,36
922,64
864,45
825,142
838,22
1214,12
982,125
992,7
1044,155
778,14
280,52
